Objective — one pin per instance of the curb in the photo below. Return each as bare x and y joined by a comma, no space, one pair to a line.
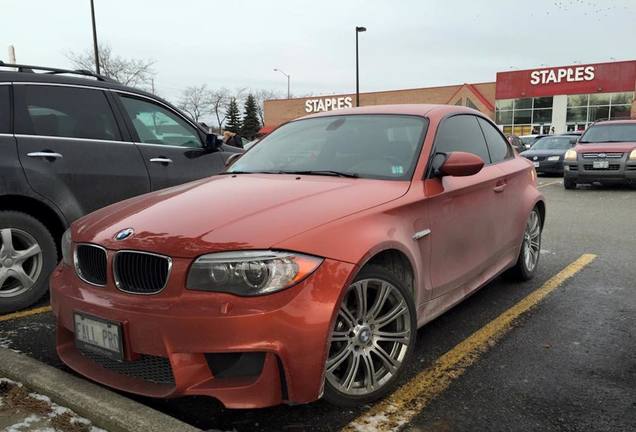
104,408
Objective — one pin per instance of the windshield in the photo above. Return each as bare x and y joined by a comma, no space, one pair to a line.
528,140
368,146
555,143
607,133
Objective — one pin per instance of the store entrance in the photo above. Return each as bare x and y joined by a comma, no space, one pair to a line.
576,127
542,129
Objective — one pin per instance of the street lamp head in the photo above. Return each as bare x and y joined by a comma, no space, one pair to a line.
361,29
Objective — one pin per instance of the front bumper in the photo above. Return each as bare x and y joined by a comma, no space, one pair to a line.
620,170
180,330
550,167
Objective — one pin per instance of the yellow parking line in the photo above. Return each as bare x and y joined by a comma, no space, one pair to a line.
26,313
410,399
549,184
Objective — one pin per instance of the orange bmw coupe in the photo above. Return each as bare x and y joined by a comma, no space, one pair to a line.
306,268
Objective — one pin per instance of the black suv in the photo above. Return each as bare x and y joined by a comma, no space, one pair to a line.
72,144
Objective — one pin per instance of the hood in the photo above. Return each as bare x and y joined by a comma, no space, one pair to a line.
231,212
547,152
622,147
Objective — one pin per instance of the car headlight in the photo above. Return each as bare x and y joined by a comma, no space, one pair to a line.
553,158
632,155
570,155
250,273
67,248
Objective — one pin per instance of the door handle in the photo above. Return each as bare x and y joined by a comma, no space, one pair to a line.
161,160
500,186
45,154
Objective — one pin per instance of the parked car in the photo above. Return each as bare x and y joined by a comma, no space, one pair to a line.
339,235
547,153
529,140
76,144
605,153
516,143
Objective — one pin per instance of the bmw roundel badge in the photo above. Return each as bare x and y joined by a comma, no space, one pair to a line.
124,234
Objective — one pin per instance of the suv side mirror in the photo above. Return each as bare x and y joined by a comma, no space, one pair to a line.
212,142
459,164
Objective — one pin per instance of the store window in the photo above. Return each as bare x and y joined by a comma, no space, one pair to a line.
524,116
585,109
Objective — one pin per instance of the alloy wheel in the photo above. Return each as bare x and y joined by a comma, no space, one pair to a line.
20,262
532,241
370,339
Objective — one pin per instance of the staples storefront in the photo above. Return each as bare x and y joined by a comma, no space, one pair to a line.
567,98
544,100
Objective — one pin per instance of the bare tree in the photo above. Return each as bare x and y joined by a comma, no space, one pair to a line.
131,72
261,96
195,100
218,102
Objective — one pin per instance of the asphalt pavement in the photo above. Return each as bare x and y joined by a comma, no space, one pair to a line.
567,364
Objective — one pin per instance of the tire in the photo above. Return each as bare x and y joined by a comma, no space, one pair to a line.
525,268
364,341
27,257
569,183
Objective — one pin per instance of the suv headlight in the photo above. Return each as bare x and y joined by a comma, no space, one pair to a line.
553,158
570,155
632,155
250,273
67,248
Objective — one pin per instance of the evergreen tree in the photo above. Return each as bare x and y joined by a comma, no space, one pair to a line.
233,117
251,123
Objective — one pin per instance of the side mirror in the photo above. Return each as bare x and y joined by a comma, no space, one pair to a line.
459,164
232,158
212,142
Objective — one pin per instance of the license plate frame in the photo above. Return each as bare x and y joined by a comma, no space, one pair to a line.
602,164
86,338
536,164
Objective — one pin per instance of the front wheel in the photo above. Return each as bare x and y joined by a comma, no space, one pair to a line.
372,339
569,183
528,260
27,257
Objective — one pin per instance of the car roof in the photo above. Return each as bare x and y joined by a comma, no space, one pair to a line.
78,80
622,121
423,110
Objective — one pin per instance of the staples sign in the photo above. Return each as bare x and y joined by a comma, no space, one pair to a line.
569,74
328,104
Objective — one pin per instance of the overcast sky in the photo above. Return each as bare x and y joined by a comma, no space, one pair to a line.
409,43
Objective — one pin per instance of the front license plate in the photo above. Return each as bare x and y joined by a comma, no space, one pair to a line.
536,164
600,164
98,335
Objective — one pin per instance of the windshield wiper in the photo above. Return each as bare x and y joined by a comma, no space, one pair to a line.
603,142
322,172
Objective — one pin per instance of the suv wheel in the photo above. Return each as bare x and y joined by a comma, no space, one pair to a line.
27,257
372,339
569,183
528,259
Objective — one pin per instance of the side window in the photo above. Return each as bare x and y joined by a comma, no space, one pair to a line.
461,133
5,112
157,125
65,112
498,147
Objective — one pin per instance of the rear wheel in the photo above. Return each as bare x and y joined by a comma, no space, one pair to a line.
528,259
27,257
569,183
372,338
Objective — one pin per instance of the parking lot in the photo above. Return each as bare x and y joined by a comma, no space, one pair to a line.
555,353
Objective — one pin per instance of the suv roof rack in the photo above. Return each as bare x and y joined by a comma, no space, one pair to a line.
54,71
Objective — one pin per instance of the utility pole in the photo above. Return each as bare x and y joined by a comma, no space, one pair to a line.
358,30
95,38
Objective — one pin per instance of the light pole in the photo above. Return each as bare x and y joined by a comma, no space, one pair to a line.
288,78
358,30
95,38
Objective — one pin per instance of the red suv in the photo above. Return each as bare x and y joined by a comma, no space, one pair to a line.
307,267
605,153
